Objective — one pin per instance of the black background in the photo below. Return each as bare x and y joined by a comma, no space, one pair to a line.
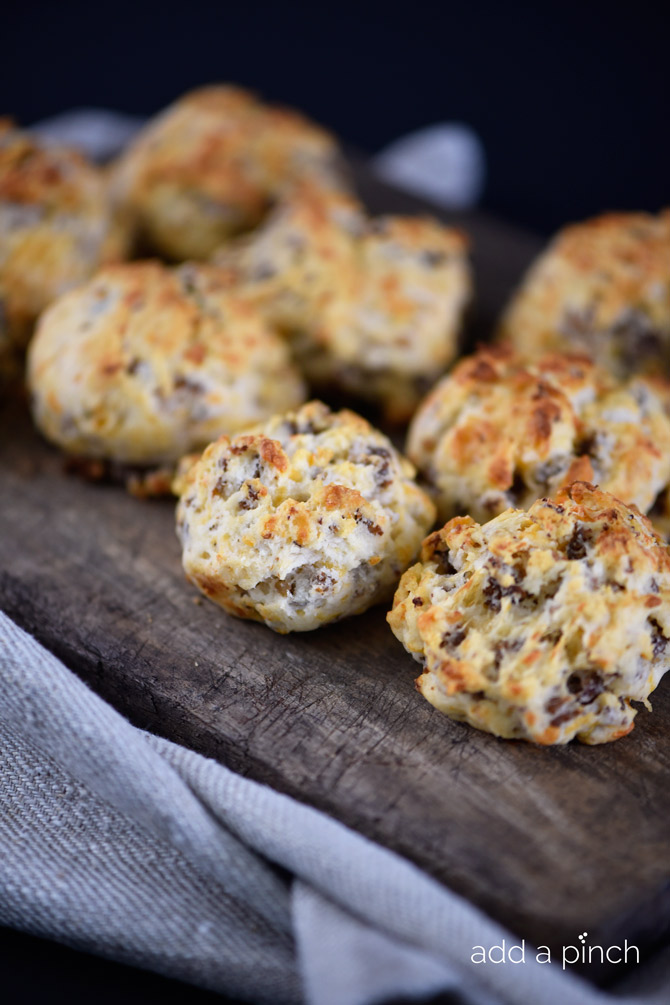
570,99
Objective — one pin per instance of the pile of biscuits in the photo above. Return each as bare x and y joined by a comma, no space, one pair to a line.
540,610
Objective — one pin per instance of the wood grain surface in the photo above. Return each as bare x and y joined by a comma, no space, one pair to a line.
549,841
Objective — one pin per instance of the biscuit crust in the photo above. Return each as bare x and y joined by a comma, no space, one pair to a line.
302,521
500,432
602,287
145,363
543,625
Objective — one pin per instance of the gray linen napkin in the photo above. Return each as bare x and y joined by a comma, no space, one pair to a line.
123,844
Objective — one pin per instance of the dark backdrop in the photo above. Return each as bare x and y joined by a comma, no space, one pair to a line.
571,99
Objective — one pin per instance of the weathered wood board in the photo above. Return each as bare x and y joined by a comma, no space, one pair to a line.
551,842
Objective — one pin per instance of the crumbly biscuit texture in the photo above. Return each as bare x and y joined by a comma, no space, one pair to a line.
56,228
602,287
211,164
543,625
500,432
372,307
145,363
307,519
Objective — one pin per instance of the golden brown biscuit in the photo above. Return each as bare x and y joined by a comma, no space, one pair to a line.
300,259
602,287
210,165
543,625
372,307
145,363
309,518
56,228
395,332
501,432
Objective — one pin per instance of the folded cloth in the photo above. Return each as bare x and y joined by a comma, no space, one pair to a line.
98,132
123,844
444,162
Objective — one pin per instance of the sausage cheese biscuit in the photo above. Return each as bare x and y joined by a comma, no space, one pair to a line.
373,308
500,432
301,258
542,625
396,332
210,165
302,521
602,287
145,363
56,228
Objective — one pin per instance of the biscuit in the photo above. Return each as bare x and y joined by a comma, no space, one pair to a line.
373,308
56,229
542,625
145,363
500,432
397,330
300,259
302,521
602,287
210,165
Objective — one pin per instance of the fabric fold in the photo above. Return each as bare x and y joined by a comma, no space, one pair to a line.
124,844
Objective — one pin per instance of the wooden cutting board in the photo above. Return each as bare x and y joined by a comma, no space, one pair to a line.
550,841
